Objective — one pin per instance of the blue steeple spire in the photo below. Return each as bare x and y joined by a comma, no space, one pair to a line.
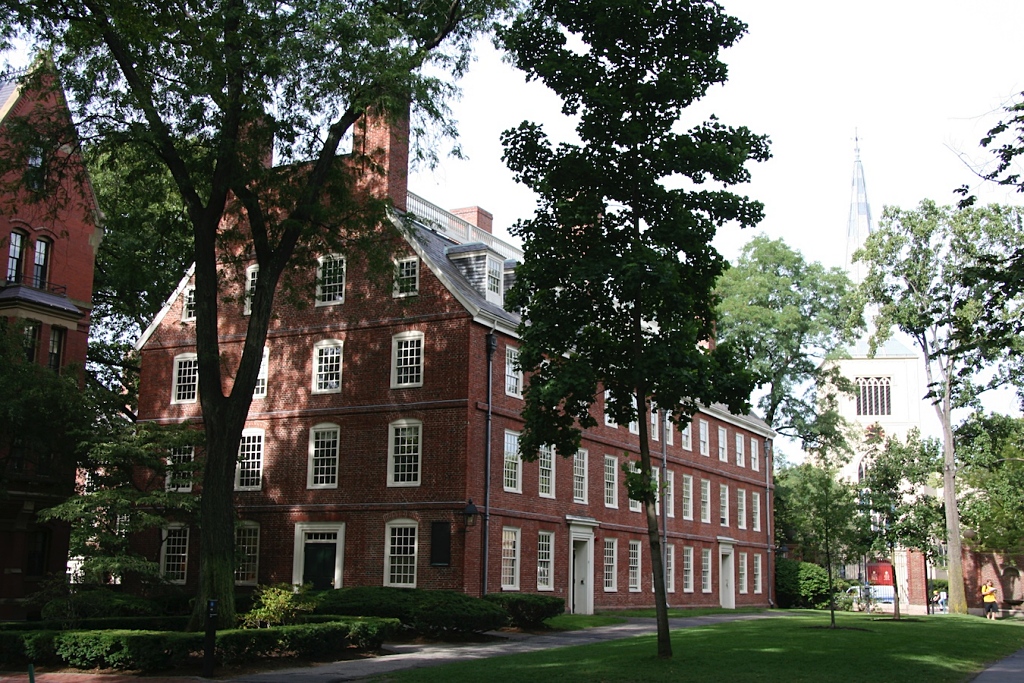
859,225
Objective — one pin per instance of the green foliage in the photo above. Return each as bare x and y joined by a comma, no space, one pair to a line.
278,605
99,602
801,585
526,610
991,450
145,650
787,317
151,623
423,611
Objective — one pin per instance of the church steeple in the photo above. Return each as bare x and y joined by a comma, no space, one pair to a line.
859,225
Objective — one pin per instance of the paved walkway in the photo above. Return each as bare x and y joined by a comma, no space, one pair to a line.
410,656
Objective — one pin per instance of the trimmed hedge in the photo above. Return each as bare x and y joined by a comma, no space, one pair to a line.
100,602
101,624
428,612
526,610
161,650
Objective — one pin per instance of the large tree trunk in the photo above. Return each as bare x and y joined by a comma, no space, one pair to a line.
653,535
895,586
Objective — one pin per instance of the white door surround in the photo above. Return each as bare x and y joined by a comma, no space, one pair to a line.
581,564
726,573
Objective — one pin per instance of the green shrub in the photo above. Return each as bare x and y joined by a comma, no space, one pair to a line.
787,583
98,602
315,641
278,605
801,584
145,650
526,610
368,601
424,611
18,648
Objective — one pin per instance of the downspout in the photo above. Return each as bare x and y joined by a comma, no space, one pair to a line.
492,345
664,498
769,517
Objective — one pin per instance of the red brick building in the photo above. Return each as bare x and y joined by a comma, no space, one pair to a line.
49,234
387,412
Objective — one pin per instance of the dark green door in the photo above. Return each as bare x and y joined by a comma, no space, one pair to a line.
318,565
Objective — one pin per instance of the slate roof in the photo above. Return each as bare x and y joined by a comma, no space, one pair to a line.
39,297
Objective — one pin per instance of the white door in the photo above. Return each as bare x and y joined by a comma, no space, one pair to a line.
726,578
581,571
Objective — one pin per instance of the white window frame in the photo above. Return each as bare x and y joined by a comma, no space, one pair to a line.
670,493
655,436
705,501
757,573
252,276
670,427
740,455
188,304
656,480
164,555
670,568
399,292
513,374
609,421
755,510
251,432
176,456
611,569
741,573
755,455
393,432
389,554
705,570
634,425
545,560
312,457
510,557
686,501
611,482
634,505
334,297
723,504
546,472
687,437
723,444
687,569
635,562
705,438
317,372
494,281
397,342
179,361
580,479
512,469
298,549
244,557
741,509
262,377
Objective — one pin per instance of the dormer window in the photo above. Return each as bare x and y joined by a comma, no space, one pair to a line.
495,274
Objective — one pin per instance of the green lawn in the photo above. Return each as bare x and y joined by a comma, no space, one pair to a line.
792,648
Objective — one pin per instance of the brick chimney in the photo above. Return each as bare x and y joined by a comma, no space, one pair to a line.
481,218
383,143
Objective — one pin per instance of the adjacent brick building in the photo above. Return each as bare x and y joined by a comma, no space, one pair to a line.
386,413
49,234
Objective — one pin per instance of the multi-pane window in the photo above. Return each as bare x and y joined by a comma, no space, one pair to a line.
705,501
634,566
705,447
874,396
611,548
723,444
670,568
512,474
609,421
686,496
41,263
249,470
687,569
513,374
670,492
330,280
56,351
611,481
174,554
755,511
723,504
741,509
260,390
252,275
740,455
510,558
495,281
247,553
656,481
670,429
404,453
655,436
186,379
327,356
634,505
686,436
324,440
15,257
400,563
634,426
579,477
188,305
741,573
755,457
407,360
407,277
546,471
705,570
545,561
179,463
757,572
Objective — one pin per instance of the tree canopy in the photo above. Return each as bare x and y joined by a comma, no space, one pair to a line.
618,271
787,318
990,448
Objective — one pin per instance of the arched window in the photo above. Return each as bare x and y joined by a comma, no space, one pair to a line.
874,396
